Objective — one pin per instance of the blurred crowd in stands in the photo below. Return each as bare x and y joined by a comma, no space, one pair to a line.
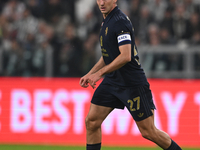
46,38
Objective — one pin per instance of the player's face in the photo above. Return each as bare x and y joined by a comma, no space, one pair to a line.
106,6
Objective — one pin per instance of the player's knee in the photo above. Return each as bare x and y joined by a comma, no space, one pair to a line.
91,125
146,135
149,134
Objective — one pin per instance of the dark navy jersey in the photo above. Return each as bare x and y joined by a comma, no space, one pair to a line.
116,31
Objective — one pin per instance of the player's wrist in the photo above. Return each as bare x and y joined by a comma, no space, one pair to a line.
100,73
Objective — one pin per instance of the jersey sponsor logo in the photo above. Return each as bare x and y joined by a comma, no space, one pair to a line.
106,31
124,37
101,41
105,55
104,52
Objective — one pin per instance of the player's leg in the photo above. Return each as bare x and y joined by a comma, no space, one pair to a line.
93,122
150,132
103,102
141,107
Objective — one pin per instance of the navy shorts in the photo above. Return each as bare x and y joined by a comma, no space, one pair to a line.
138,100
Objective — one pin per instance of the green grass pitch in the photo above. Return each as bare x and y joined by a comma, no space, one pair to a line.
30,147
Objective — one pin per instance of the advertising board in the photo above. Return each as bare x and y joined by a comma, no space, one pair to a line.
52,111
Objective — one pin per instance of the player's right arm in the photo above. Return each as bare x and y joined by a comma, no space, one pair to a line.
84,80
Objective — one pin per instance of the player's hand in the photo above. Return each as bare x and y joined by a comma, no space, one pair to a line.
92,84
84,82
93,78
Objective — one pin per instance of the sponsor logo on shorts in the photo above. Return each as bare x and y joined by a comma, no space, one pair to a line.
140,115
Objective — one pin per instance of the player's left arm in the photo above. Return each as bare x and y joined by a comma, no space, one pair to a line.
123,58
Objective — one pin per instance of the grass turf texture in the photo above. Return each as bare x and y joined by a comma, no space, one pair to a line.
30,147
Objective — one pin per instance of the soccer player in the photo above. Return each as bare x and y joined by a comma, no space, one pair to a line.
125,83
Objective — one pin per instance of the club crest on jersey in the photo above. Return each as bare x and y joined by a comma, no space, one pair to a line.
106,31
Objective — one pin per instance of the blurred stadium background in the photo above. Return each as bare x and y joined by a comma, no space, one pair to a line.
59,39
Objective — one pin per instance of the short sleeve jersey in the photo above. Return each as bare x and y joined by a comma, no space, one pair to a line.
117,30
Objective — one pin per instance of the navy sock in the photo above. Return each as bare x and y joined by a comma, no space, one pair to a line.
174,146
94,146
